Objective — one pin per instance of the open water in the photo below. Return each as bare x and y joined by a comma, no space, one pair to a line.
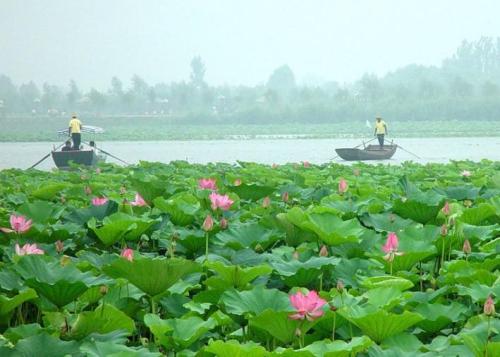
268,151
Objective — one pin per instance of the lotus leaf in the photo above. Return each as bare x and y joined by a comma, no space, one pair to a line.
246,235
234,276
255,301
181,207
233,348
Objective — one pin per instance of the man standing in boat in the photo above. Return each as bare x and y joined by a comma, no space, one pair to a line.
75,130
380,131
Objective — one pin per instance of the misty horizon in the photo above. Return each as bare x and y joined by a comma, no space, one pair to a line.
240,44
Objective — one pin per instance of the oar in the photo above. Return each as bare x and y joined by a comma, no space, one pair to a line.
363,143
109,154
409,152
46,156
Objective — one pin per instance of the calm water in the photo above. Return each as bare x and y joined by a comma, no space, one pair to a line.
23,155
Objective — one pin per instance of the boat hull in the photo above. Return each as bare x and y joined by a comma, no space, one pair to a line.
371,152
62,159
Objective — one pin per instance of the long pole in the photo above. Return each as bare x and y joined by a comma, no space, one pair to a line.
109,154
409,152
363,143
45,157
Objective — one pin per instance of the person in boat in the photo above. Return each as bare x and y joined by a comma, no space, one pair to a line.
380,131
67,146
75,130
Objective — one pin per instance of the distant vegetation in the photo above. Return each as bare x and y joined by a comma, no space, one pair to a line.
465,87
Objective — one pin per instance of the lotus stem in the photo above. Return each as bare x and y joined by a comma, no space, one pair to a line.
206,246
153,306
321,282
442,254
334,323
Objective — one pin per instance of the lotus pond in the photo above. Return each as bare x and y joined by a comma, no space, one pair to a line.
251,260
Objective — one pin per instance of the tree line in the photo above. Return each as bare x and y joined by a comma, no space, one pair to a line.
465,86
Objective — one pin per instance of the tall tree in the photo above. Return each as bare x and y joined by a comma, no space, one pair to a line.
198,72
74,95
282,80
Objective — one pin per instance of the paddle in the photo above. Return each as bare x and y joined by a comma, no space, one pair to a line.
363,143
409,152
109,154
45,157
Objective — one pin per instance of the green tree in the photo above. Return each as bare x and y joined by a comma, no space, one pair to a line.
198,72
282,80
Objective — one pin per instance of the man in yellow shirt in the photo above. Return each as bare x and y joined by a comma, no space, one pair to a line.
75,130
380,131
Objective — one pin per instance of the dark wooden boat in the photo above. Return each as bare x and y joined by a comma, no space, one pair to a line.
62,159
371,152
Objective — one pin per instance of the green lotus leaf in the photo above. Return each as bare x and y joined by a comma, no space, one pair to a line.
174,333
252,192
101,349
418,211
149,186
387,281
44,345
49,190
297,273
384,297
339,348
386,222
42,212
182,207
105,318
438,316
14,334
404,342
8,304
466,273
234,276
329,227
479,292
152,275
82,215
255,301
492,246
279,324
348,269
475,334
246,236
479,215
380,324
120,226
10,280
59,284
233,348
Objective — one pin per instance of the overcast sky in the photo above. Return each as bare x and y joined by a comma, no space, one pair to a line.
241,42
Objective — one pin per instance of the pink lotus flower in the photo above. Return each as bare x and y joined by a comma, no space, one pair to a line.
28,249
343,186
391,247
489,306
446,209
18,224
323,252
208,223
128,254
139,201
220,201
466,173
266,202
307,306
237,182
99,201
207,184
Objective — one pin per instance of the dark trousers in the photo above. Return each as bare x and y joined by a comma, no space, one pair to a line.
380,138
77,139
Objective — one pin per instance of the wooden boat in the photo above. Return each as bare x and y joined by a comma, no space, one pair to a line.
370,152
62,159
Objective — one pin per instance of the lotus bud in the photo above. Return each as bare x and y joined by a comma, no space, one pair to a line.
266,202
356,172
223,223
237,182
298,332
63,199
489,306
123,190
340,286
258,248
466,247
444,230
59,246
446,209
128,254
285,197
306,164
467,203
65,260
208,224
404,199
295,255
343,186
88,190
332,307
103,289
323,252
275,166
451,221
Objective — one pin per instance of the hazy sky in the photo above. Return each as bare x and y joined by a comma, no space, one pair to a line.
241,42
